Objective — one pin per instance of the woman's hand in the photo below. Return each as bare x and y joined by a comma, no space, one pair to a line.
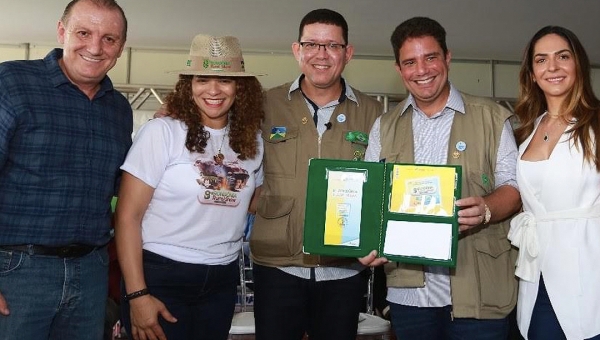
144,312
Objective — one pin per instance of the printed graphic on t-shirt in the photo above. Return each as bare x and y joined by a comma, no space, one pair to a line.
221,181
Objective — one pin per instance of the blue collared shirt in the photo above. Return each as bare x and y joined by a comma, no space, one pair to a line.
60,154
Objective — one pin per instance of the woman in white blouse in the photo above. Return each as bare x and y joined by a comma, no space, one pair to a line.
558,172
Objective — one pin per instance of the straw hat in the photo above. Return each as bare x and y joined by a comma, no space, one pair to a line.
215,56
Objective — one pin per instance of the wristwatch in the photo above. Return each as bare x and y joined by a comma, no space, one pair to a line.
487,215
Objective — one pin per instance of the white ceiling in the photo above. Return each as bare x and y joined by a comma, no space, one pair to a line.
477,29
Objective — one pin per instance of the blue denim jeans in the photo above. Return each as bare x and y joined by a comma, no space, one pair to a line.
53,298
544,324
201,297
436,323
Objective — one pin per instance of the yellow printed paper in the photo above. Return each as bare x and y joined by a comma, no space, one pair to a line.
344,205
423,190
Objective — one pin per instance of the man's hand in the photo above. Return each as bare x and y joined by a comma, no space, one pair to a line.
3,306
372,260
471,213
503,202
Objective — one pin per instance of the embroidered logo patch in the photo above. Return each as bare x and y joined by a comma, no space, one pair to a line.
278,132
357,137
485,180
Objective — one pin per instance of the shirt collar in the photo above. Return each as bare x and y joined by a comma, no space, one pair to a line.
454,102
349,94
59,78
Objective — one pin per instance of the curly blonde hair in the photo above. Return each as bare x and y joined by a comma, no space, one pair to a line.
245,116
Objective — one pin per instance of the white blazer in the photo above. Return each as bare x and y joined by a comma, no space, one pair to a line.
561,203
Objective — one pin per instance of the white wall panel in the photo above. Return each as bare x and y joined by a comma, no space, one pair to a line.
152,66
13,52
278,68
374,76
40,51
506,80
118,74
472,77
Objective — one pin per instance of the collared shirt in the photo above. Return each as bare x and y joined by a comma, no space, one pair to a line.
431,136
323,113
60,154
323,117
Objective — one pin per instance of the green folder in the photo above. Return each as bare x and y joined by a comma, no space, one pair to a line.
404,211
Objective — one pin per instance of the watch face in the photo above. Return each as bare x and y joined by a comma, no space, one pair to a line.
488,214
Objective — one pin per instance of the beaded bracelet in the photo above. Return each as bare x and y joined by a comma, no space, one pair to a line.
136,294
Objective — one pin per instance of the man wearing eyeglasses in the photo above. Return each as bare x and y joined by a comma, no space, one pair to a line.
309,118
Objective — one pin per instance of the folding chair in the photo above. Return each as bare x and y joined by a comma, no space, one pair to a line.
242,325
371,326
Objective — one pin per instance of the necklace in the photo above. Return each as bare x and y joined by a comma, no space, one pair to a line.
220,155
552,122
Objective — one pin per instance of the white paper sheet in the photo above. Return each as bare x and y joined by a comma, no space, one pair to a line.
429,240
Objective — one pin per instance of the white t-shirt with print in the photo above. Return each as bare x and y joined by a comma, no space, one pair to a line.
198,211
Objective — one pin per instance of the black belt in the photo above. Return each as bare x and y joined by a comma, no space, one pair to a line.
72,250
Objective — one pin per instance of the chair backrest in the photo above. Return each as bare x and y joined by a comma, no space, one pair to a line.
245,267
370,285
370,326
242,325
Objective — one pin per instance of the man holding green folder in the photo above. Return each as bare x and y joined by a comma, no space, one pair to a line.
317,116
437,124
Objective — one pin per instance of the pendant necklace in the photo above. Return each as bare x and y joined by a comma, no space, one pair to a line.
546,132
559,123
219,154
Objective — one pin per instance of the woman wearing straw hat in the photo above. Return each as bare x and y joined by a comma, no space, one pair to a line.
187,184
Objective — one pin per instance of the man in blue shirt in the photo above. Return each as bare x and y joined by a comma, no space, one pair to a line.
64,132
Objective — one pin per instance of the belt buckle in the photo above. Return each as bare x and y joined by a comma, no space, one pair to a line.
72,250
67,251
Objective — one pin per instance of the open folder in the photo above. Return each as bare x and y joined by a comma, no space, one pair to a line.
404,211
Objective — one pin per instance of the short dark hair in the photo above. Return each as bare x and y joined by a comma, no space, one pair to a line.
418,27
324,16
109,4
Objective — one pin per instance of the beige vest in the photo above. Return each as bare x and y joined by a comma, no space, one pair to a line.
483,284
277,234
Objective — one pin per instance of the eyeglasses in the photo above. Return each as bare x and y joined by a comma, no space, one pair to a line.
310,46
